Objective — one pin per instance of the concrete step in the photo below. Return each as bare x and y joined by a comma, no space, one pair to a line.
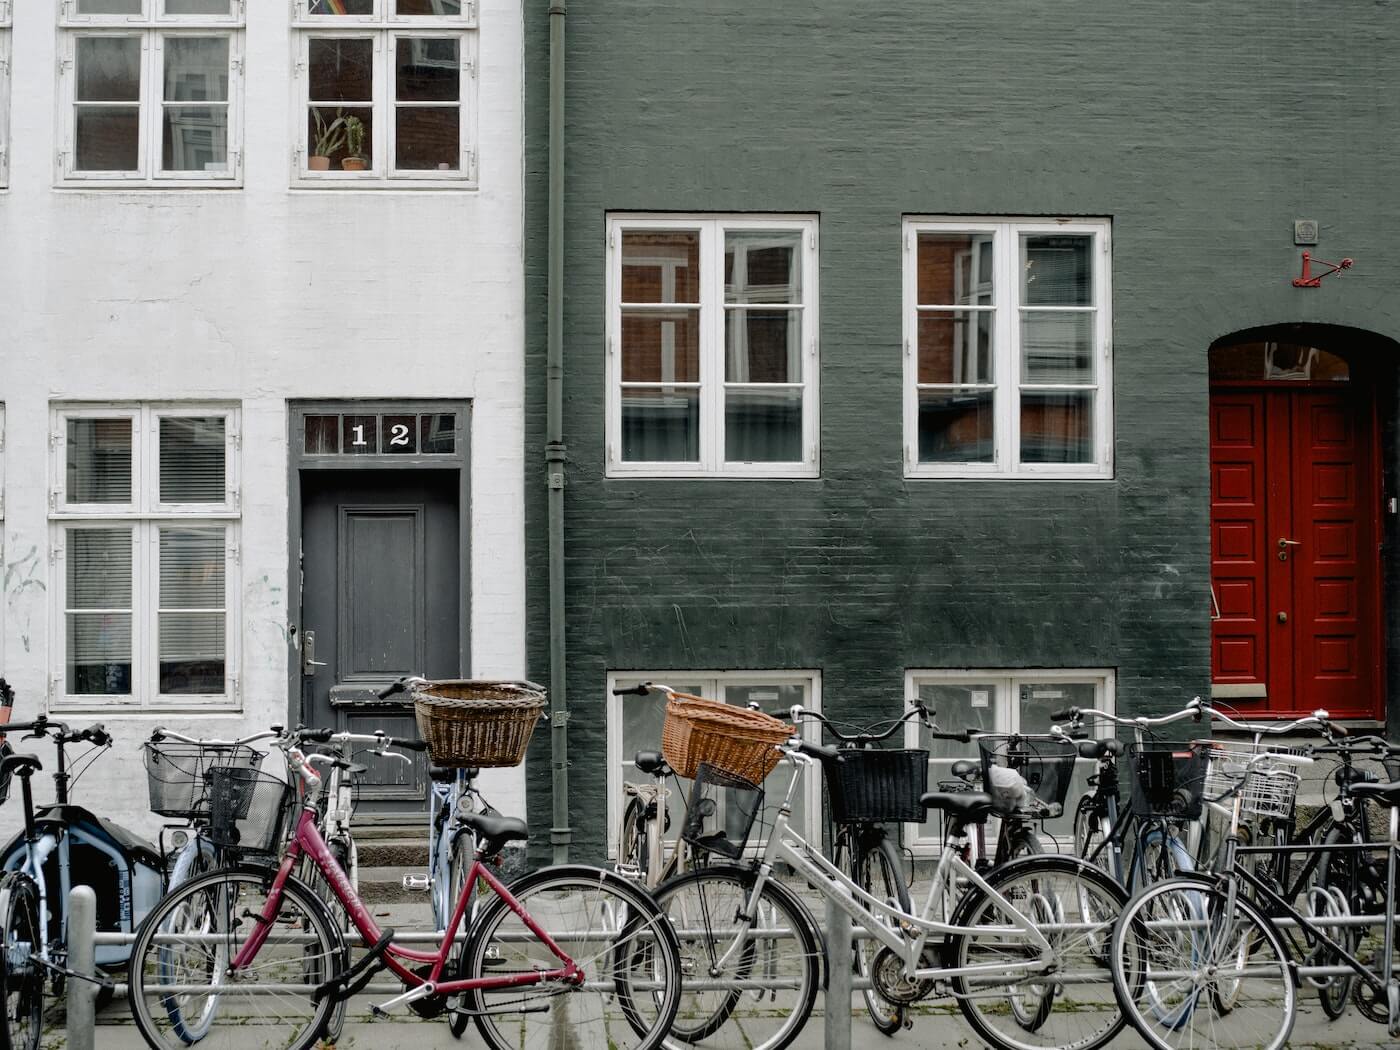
383,852
384,885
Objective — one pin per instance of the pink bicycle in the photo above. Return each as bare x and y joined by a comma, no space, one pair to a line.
249,956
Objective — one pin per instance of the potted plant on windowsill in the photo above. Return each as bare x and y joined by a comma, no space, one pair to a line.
354,160
330,137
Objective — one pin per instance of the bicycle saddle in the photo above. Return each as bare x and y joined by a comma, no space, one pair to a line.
1098,748
965,807
652,763
966,769
1385,794
494,830
21,764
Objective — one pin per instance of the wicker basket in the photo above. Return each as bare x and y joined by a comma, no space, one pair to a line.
478,722
740,741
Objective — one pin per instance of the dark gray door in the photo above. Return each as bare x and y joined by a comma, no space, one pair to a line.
380,560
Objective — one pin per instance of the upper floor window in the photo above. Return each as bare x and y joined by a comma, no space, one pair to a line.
1007,333
144,513
4,92
150,91
387,92
712,346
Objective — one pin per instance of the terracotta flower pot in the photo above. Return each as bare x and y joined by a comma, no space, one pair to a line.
319,163
353,164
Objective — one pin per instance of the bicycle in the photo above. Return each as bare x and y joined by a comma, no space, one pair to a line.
1199,959
267,951
1020,940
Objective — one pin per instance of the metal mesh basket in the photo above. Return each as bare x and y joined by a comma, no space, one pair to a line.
1169,783
248,810
177,774
721,812
1271,786
869,786
1026,773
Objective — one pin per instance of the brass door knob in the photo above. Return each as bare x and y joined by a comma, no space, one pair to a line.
1283,617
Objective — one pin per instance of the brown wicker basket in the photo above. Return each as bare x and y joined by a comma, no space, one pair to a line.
478,722
735,739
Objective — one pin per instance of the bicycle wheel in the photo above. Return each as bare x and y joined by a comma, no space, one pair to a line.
1061,1001
1160,855
614,933
460,862
1023,842
632,844
749,982
180,966
22,974
1329,894
878,869
1179,951
1091,836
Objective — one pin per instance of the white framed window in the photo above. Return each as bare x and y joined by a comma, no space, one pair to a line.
712,346
634,724
144,514
999,701
4,93
386,93
151,92
1007,335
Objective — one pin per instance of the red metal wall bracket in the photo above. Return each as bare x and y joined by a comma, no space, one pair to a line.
1308,279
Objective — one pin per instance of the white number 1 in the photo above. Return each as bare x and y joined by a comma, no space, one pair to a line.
359,435
398,434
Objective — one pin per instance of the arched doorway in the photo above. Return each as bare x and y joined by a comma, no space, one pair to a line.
1295,490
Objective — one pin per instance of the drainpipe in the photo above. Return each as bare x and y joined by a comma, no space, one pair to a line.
555,452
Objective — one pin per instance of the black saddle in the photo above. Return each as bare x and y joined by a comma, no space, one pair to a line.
1096,749
962,807
1385,794
493,830
652,763
21,764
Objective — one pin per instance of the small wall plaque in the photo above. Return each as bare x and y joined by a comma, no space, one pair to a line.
1304,231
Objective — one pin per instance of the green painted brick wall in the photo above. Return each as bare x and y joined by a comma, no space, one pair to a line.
1202,130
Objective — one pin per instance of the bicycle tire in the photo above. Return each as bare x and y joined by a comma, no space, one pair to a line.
1023,842
642,948
459,863
306,944
1337,872
1165,1005
1160,855
24,984
1091,836
698,899
632,845
878,871
1090,1019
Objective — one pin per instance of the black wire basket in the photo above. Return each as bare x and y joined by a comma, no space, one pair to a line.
869,786
1169,782
249,810
721,812
1027,775
177,774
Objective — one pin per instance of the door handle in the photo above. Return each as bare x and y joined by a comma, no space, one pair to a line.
1284,544
309,663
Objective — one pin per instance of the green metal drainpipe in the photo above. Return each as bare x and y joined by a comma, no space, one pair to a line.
555,452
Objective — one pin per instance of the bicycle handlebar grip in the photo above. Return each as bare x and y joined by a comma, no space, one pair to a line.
97,734
393,687
1060,716
412,745
316,736
636,690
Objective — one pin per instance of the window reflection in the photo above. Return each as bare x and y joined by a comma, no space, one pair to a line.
1272,361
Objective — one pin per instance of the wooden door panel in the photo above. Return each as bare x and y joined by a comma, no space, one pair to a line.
1238,505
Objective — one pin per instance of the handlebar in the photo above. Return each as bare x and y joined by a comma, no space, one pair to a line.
867,736
402,685
1196,709
160,733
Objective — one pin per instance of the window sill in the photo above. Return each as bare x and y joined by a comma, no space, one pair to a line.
914,474
146,185
798,473
380,184
89,707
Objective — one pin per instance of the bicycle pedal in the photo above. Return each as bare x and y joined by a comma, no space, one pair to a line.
418,883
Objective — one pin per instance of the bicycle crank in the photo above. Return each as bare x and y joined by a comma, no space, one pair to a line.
895,985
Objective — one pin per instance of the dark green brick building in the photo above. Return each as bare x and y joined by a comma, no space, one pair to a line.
888,361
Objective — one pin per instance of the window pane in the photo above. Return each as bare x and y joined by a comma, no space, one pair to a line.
340,7
329,133
660,425
109,7
322,435
640,727
762,266
108,69
98,643
955,269
661,266
763,346
99,461
194,138
956,426
956,707
99,568
762,426
956,347
442,8
196,69
774,698
191,617
107,138
198,7
1058,270
192,459
398,435
1057,347
341,70
1039,699
1273,361
437,433
360,435
428,139
1057,426
428,69
661,347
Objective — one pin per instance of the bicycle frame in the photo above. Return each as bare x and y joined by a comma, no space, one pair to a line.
307,840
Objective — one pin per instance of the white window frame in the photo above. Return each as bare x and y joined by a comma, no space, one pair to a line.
1007,715
5,50
712,463
153,26
386,31
711,686
1008,262
145,516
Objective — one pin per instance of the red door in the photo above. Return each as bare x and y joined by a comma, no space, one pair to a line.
1295,566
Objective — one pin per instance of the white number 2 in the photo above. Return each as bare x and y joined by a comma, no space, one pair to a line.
398,434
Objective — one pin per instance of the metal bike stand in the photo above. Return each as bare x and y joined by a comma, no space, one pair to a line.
839,965
82,958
